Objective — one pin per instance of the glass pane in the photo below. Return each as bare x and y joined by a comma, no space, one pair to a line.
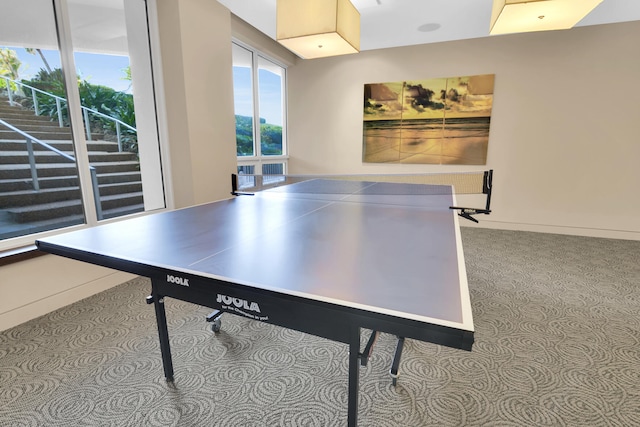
245,181
273,169
243,100
270,92
246,170
39,185
115,141
272,173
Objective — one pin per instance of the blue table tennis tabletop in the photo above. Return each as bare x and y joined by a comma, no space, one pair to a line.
380,256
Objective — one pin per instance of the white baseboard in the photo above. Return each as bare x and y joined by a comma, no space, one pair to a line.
556,229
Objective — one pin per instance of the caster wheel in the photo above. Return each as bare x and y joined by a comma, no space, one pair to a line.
216,325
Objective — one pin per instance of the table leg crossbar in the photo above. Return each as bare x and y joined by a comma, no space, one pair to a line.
395,364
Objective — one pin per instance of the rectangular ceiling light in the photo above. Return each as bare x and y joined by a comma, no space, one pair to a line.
318,28
520,16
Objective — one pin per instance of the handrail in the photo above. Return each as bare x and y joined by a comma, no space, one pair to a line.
34,171
37,141
59,99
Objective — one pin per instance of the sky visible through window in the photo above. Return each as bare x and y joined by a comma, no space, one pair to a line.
270,88
97,69
108,70
270,94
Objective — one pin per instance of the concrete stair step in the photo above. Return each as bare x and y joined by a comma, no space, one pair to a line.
116,201
23,184
12,229
116,167
113,178
29,126
56,133
7,113
121,211
60,209
101,157
24,198
21,121
62,145
9,185
16,230
101,145
30,197
16,107
60,133
119,188
45,211
49,170
21,171
18,157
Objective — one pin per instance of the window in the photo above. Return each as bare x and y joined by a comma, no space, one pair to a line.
259,97
75,155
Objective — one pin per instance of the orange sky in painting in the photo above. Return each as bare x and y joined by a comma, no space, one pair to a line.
454,97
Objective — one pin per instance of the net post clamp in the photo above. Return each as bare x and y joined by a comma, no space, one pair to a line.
467,212
241,193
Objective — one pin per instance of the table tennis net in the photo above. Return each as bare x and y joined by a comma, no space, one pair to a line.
462,182
440,183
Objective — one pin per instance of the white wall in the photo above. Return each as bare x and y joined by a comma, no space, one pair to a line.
565,128
195,41
32,288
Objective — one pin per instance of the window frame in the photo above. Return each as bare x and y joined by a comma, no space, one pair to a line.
258,160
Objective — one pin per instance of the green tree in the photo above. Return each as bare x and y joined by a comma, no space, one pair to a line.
108,101
271,139
9,66
127,75
113,103
34,51
244,135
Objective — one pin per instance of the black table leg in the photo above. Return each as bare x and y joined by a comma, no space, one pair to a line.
354,373
366,354
395,365
163,333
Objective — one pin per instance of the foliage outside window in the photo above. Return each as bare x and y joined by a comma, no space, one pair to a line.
103,99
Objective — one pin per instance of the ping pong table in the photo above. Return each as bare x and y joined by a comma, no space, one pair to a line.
327,257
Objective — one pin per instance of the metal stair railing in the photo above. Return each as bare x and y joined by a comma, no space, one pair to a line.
85,111
30,140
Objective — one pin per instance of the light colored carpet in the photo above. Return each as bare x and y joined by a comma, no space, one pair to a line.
557,344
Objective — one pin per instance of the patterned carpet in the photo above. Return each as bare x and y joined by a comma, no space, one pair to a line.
557,344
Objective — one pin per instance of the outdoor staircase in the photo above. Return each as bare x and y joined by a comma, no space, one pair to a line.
59,199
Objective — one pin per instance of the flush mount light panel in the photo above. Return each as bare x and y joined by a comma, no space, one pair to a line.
318,28
519,16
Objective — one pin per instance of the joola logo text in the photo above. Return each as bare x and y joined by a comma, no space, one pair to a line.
177,280
238,303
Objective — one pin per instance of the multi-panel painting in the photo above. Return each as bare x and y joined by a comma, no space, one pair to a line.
434,121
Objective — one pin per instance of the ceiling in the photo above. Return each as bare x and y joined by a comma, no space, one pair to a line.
393,23
98,25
